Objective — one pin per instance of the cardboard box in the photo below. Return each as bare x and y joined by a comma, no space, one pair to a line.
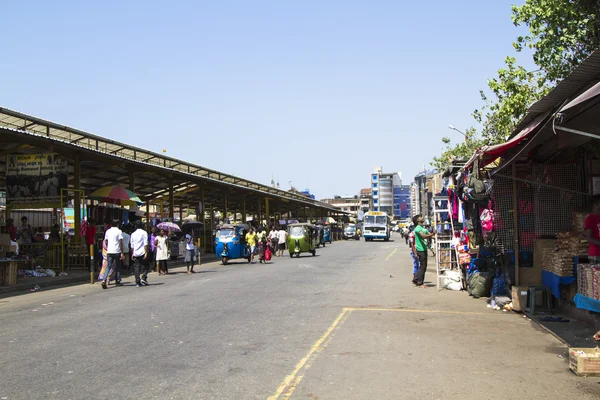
585,361
4,239
519,298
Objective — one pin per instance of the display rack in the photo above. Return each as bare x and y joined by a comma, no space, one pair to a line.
445,255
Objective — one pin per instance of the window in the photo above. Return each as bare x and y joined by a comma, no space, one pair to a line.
375,193
375,201
374,185
374,177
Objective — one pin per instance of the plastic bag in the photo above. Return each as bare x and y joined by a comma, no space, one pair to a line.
268,254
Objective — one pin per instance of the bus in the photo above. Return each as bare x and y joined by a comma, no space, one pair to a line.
376,225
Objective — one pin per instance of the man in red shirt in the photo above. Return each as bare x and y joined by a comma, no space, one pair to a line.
592,231
11,229
90,239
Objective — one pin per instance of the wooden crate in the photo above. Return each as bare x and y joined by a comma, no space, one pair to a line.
585,361
8,272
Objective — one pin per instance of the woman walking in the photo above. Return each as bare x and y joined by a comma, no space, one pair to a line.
162,252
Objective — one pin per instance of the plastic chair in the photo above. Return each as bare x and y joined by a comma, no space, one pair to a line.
531,298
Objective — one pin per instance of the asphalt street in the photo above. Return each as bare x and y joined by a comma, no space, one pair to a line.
346,324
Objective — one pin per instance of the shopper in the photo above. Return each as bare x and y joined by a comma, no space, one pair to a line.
25,232
126,243
421,235
282,239
11,229
190,252
152,256
413,253
139,254
162,252
113,240
274,238
592,231
251,240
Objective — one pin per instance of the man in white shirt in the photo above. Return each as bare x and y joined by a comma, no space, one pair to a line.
189,253
282,239
113,240
139,254
274,238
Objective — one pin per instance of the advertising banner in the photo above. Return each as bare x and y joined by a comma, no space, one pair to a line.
36,179
402,201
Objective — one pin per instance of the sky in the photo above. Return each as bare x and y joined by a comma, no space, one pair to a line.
318,93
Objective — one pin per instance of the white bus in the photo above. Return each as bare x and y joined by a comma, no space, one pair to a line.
376,225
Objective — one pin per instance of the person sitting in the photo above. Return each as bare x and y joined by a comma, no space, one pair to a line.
39,235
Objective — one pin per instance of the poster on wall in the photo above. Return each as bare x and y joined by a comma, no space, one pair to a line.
36,179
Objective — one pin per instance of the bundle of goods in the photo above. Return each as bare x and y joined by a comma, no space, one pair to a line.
479,284
559,262
578,220
572,242
588,280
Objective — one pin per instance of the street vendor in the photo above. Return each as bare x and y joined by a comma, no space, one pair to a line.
592,231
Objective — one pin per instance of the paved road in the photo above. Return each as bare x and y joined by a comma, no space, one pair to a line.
343,325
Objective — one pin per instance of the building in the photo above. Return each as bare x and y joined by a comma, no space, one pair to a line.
366,199
382,189
427,184
349,204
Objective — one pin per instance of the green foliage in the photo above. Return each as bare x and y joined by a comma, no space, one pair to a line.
562,33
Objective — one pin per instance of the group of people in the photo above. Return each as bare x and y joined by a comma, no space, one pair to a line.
120,245
261,243
26,234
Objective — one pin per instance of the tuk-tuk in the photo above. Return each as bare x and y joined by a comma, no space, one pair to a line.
321,235
302,238
327,236
230,242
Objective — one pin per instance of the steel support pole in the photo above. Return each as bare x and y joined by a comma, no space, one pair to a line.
244,209
516,224
171,201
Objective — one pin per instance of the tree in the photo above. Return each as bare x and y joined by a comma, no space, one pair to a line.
562,33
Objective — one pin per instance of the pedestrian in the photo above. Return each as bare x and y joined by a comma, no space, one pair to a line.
281,239
113,240
190,252
592,231
152,255
11,229
25,232
413,253
274,238
421,235
139,254
162,252
126,244
251,241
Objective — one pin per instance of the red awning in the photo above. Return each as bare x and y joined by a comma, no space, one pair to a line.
487,154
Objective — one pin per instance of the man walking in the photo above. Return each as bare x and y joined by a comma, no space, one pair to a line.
139,254
189,253
421,234
126,241
281,239
113,240
251,240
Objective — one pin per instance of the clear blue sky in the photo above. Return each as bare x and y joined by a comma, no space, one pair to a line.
316,92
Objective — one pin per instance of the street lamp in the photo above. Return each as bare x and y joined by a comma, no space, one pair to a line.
459,131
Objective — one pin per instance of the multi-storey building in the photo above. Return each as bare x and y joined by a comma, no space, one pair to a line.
382,190
349,204
366,199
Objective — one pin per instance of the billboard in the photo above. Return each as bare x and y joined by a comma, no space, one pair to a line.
402,201
36,179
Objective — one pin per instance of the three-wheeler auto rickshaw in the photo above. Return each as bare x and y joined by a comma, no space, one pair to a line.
327,235
302,238
321,235
230,243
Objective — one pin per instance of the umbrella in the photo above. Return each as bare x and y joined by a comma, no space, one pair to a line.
169,226
188,226
116,195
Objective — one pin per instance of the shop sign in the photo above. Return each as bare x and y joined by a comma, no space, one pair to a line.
36,179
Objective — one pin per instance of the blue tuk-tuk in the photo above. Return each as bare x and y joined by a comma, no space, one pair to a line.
326,235
230,242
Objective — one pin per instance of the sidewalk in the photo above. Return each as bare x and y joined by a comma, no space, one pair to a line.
24,285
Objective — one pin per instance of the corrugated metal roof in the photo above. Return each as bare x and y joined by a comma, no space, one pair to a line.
582,78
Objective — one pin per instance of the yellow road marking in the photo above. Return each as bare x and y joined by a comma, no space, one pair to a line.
293,379
405,310
391,254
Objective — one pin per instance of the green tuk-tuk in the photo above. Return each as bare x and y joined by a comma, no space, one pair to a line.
302,238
